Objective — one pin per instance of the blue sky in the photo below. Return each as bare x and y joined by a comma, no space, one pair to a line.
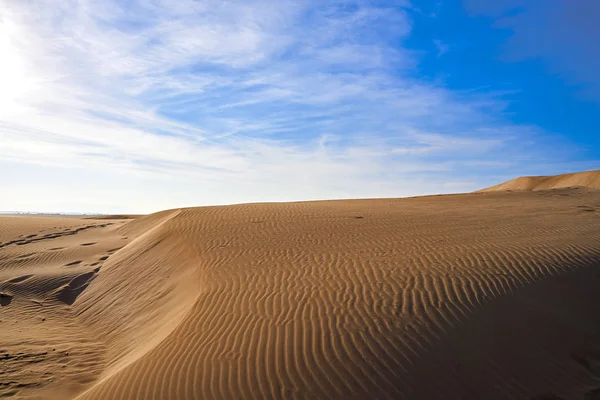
142,105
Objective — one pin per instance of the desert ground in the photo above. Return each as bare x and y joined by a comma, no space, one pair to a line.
488,295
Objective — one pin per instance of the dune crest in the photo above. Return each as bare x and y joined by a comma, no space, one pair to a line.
587,179
490,295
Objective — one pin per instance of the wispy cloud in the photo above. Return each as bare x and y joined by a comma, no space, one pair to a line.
563,33
441,47
219,102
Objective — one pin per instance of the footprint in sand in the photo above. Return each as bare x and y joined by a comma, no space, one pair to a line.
73,263
5,299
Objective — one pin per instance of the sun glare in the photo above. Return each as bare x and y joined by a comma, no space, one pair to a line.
15,81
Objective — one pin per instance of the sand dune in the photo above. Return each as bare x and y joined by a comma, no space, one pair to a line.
477,296
588,179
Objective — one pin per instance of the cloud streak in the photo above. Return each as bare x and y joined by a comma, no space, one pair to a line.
220,102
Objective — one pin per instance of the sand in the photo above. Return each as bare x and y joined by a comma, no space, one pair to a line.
587,179
476,296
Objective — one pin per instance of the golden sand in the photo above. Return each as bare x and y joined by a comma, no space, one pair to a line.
476,296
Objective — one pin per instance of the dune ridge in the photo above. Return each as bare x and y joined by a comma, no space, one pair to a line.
487,295
587,179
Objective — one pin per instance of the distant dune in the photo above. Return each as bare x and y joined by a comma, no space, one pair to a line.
119,216
588,179
476,296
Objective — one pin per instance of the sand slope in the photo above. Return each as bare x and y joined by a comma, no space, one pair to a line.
478,296
45,263
588,179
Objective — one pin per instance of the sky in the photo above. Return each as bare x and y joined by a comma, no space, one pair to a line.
133,106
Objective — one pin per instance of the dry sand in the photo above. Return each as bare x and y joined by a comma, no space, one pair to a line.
477,296
587,179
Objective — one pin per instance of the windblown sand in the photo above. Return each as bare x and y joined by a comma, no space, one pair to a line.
478,296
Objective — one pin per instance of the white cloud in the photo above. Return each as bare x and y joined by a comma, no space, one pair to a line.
149,104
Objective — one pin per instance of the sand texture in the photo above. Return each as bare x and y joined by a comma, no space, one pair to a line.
477,296
588,179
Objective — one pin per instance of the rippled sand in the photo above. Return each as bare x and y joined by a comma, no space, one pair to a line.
476,296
